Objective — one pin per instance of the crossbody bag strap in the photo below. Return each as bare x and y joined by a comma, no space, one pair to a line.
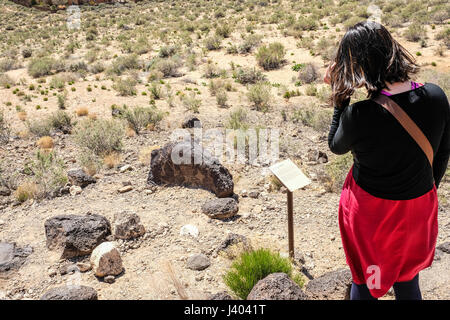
408,124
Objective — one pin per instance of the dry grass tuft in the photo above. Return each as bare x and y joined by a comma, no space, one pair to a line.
82,112
45,143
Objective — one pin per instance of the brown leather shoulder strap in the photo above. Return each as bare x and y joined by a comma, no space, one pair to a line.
407,123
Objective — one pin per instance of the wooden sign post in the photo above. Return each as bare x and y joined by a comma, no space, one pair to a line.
292,178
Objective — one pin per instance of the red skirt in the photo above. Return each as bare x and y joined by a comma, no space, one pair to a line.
386,241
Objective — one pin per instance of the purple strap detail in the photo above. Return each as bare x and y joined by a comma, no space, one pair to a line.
414,85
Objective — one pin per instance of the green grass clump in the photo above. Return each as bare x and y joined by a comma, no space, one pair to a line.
271,57
40,67
253,266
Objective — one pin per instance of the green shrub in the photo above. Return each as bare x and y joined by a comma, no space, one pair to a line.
168,67
260,96
167,51
139,118
60,121
7,64
271,56
224,30
249,43
102,137
222,98
40,67
315,117
48,173
237,120
248,75
6,81
122,64
253,266
308,73
336,171
190,102
415,32
125,87
213,43
39,128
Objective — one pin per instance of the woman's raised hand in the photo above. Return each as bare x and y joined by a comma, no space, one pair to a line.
327,78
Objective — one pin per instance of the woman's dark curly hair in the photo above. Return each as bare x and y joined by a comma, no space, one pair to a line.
368,56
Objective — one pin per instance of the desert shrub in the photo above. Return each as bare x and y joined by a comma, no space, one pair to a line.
62,100
57,82
45,142
96,68
308,73
305,24
125,87
213,43
224,30
5,129
122,64
60,121
311,90
39,128
317,118
89,162
222,98
415,32
102,137
190,102
82,111
168,67
156,90
40,67
7,64
445,36
442,79
271,56
25,191
237,120
260,96
248,75
249,43
336,171
253,266
217,85
167,51
139,118
6,81
49,176
212,71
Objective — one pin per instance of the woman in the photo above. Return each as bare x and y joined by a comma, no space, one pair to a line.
388,206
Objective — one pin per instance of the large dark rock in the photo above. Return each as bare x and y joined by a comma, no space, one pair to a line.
127,225
71,292
188,164
191,121
12,257
198,262
78,177
333,285
76,235
223,295
277,286
221,208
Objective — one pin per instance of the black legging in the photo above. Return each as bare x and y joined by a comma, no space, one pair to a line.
408,290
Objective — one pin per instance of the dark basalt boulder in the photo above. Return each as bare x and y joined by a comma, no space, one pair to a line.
76,235
188,164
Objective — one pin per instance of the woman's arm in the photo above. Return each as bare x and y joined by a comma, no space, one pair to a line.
440,161
342,133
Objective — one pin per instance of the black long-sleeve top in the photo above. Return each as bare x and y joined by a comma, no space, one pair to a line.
388,163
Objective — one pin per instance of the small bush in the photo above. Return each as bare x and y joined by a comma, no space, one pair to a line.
249,43
260,96
139,118
45,143
271,57
308,73
125,87
25,191
317,118
222,98
122,64
248,75
253,266
27,52
60,121
415,32
223,30
6,81
39,128
40,67
102,137
168,67
237,120
82,111
213,43
167,51
7,64
336,171
190,102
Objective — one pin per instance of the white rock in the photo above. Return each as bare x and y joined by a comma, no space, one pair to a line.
189,230
106,260
125,168
74,190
